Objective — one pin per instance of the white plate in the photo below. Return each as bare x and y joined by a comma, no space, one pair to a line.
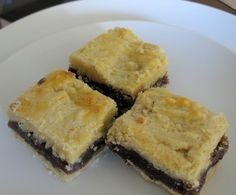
215,24
198,68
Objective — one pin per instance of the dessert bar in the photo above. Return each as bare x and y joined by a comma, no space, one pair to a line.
120,65
63,120
171,140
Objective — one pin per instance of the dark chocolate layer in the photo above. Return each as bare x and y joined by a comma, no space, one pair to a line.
124,101
57,162
155,174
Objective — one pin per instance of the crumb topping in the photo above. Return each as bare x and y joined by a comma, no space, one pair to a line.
63,112
178,134
120,59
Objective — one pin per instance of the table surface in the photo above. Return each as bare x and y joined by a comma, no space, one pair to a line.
218,4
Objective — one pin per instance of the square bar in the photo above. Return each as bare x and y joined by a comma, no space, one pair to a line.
170,139
120,65
63,120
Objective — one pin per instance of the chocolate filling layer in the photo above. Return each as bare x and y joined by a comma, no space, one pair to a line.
124,102
57,162
155,174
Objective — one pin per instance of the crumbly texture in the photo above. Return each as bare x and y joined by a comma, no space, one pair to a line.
118,58
64,113
173,133
55,171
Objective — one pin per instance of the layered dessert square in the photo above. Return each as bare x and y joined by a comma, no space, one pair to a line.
63,120
171,140
120,65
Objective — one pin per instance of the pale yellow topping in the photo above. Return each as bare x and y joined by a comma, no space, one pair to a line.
120,59
172,132
65,113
